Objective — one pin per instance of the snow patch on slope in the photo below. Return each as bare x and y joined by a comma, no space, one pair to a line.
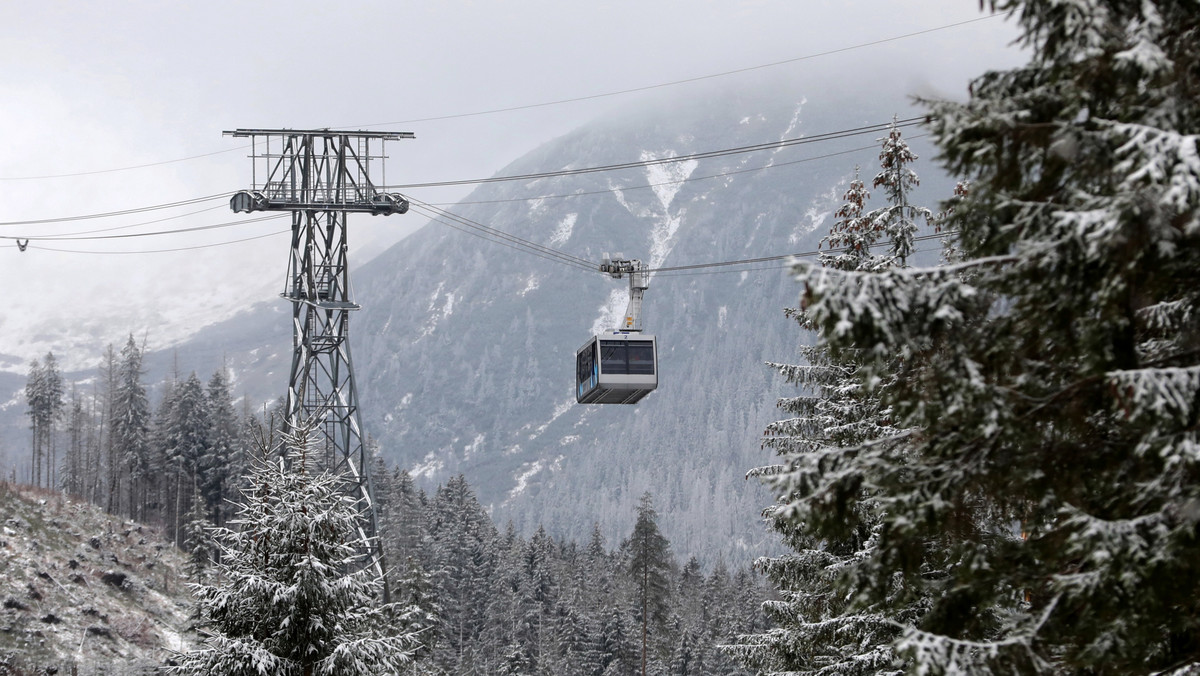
818,211
437,314
612,312
531,284
559,410
661,238
429,467
793,124
667,179
473,447
524,477
534,467
562,233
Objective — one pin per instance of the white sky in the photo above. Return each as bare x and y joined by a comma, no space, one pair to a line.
95,86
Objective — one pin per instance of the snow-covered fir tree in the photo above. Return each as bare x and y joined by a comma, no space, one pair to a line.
187,442
414,590
460,537
218,467
44,394
649,567
290,597
898,219
820,628
129,411
1049,382
853,232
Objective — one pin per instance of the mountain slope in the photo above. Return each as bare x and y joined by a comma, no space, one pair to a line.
84,588
465,349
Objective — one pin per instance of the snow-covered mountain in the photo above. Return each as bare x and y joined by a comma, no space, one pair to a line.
464,349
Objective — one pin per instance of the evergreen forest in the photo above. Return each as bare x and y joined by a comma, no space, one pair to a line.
474,597
988,465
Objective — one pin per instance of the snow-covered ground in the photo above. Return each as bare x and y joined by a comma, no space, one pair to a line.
86,589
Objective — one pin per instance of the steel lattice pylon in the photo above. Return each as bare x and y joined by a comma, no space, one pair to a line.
321,176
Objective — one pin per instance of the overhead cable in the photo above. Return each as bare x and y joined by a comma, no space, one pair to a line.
828,136
806,254
766,259
689,179
773,145
141,223
511,241
124,212
76,174
154,251
128,235
699,78
434,217
476,229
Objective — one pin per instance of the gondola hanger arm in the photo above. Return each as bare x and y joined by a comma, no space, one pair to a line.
639,281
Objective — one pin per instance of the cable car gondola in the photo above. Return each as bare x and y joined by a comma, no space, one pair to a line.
620,367
616,368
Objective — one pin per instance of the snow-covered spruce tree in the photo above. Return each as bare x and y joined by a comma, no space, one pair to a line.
198,543
1050,380
897,220
129,435
216,466
818,629
853,232
44,394
290,598
35,397
414,591
188,435
649,567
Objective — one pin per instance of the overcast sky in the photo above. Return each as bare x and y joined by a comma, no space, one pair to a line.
90,89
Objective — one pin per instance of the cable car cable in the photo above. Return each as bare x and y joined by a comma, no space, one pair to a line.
507,236
123,212
765,259
834,135
76,174
674,182
500,237
154,251
689,80
433,216
135,225
783,143
807,254
199,228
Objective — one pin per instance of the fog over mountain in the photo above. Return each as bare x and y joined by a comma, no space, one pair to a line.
464,349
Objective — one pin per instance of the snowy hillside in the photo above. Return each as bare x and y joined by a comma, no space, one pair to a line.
84,588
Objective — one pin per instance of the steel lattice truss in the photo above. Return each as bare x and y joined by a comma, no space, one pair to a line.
320,176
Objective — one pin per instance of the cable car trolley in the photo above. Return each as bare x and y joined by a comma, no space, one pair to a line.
619,367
